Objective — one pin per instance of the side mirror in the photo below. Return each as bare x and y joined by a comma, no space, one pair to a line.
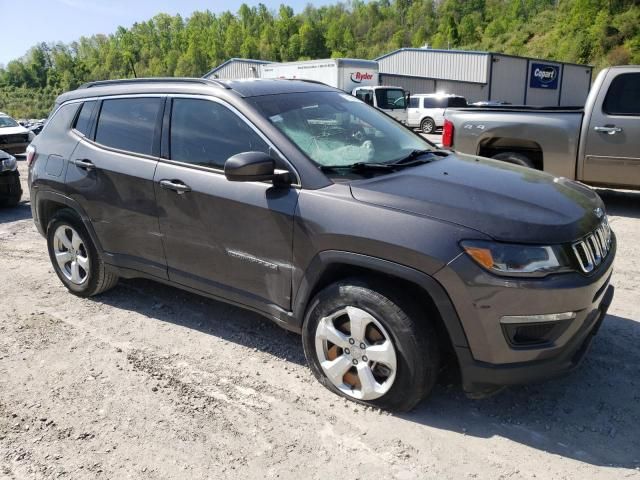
254,167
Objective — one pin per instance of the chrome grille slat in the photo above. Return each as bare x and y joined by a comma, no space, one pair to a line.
593,249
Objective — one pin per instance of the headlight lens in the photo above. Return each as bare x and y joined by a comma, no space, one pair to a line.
518,260
8,164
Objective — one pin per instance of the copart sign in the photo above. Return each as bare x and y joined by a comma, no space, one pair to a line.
544,76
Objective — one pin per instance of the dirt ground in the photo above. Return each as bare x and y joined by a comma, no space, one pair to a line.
149,382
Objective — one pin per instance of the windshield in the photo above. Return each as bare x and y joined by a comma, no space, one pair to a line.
7,122
338,129
391,99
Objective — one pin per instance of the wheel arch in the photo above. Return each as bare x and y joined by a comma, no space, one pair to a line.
49,203
488,147
332,265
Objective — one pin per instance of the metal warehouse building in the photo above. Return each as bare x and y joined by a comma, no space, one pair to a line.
482,76
237,68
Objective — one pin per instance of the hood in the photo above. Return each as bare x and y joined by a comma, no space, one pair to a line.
507,202
13,130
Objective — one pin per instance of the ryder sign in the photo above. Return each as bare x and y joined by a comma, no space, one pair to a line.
544,76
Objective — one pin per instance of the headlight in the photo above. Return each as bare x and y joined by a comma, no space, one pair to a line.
518,260
8,164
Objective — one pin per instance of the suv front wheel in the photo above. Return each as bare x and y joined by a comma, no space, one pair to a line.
371,345
74,256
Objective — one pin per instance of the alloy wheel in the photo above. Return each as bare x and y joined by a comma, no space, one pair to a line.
356,353
71,254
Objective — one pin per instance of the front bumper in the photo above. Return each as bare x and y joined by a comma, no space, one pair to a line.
14,148
10,185
481,379
489,361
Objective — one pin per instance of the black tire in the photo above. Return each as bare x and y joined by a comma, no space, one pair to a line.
15,193
100,277
428,125
11,201
515,158
414,339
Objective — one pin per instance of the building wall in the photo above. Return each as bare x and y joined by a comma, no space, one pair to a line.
508,79
411,84
236,69
576,82
473,92
438,64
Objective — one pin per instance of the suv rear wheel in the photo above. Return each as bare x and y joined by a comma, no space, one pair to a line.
370,345
428,125
74,256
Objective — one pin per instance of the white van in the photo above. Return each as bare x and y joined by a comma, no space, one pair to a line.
426,110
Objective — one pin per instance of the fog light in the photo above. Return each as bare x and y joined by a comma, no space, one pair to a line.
549,317
535,330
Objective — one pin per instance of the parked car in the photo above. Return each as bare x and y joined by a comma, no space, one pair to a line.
36,128
13,137
10,188
303,203
598,144
426,110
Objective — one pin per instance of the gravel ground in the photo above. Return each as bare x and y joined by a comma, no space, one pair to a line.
148,382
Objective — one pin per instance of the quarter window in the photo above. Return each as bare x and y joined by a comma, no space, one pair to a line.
207,133
84,117
129,124
623,97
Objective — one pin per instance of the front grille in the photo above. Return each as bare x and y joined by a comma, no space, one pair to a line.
594,248
15,138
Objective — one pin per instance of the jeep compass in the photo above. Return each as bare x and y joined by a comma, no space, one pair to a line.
390,256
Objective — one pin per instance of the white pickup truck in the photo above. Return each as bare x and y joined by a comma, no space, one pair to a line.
598,144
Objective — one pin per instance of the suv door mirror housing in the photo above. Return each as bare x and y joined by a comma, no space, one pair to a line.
254,167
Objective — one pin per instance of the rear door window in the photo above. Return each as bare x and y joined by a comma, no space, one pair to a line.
432,102
207,133
456,102
83,121
129,124
623,97
413,102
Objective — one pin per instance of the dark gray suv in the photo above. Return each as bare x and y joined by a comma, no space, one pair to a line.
300,202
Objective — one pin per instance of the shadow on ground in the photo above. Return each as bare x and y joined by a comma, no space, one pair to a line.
590,415
621,203
14,214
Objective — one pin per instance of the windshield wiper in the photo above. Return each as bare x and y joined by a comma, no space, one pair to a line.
413,158
358,166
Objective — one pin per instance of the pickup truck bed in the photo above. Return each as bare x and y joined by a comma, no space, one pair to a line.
598,144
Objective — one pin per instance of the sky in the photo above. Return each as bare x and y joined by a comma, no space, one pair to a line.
27,22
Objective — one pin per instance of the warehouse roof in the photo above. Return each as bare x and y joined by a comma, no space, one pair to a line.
245,60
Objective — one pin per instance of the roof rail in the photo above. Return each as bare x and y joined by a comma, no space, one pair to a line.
124,81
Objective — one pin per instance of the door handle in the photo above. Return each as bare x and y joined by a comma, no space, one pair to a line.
175,185
84,163
609,130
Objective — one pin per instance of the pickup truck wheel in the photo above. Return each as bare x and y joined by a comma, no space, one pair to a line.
515,158
428,125
74,256
370,346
